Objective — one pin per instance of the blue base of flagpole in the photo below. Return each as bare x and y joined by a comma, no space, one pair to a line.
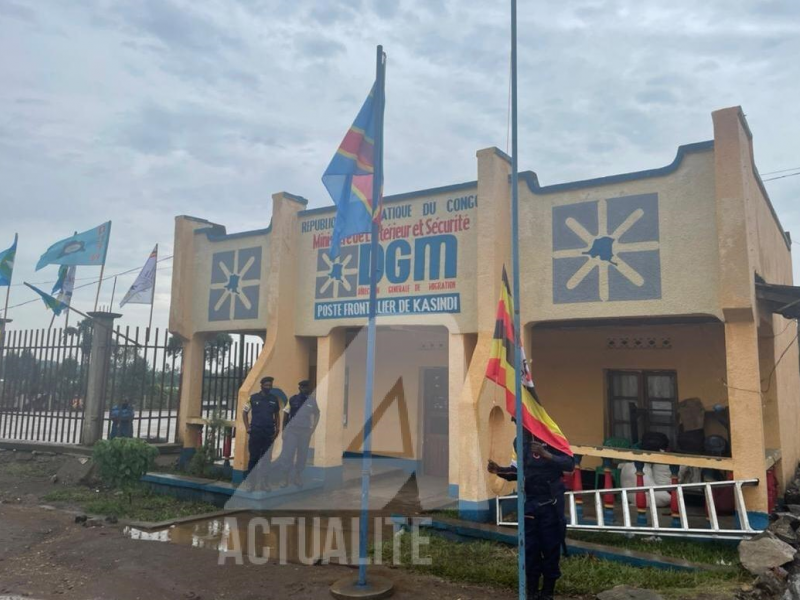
374,588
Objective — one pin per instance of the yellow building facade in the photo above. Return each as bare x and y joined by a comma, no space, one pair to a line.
639,291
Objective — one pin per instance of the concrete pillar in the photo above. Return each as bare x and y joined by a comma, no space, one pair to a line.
329,436
284,356
192,367
99,365
474,404
738,241
744,400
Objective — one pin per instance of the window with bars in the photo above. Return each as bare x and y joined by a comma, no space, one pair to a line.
642,401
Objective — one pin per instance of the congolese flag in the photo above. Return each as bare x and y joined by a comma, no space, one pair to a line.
348,177
501,371
7,263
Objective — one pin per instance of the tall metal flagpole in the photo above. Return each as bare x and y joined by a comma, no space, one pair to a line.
377,179
113,293
153,295
99,285
517,338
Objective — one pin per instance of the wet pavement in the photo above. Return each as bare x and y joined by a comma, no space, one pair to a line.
254,536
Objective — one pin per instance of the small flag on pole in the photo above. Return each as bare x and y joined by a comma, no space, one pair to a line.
348,177
87,248
62,277
65,284
7,263
143,289
54,304
501,371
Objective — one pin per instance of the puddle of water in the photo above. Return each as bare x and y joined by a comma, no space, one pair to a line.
259,537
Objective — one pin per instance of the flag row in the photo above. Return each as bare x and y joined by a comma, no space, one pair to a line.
88,248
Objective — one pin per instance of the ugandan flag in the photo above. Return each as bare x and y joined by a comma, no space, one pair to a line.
501,371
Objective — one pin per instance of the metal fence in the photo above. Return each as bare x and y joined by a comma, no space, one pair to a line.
43,378
227,362
145,374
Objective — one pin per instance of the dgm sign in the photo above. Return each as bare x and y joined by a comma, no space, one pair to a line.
408,271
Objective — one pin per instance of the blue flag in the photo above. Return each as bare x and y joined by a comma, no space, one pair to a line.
348,177
7,263
62,277
54,304
87,248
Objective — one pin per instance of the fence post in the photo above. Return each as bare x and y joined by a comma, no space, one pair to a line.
3,323
99,367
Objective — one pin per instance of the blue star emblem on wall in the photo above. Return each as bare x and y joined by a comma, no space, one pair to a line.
235,285
337,278
607,250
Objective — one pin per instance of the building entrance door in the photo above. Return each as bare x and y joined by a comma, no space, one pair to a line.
435,442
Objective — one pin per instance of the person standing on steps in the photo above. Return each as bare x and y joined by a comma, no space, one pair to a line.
300,419
262,423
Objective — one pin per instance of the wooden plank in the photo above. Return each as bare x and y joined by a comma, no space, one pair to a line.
663,458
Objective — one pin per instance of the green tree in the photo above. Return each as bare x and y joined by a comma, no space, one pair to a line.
217,347
83,333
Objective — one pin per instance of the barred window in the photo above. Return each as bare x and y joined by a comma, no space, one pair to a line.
642,401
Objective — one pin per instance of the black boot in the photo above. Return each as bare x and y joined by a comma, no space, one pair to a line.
548,589
532,588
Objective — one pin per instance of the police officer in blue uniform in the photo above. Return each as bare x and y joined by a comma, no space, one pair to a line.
262,422
544,468
300,419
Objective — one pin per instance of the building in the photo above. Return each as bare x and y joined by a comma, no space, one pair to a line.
638,291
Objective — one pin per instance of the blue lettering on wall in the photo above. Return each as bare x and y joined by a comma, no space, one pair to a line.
431,247
429,254
398,261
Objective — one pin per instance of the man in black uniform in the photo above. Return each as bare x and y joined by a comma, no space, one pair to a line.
261,421
544,512
300,420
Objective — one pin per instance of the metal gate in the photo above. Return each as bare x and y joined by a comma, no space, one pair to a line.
43,379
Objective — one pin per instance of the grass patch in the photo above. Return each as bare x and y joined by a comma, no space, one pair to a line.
491,564
28,468
146,506
707,552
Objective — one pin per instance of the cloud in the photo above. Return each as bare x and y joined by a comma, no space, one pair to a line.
142,110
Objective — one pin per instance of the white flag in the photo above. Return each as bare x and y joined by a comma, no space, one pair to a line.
144,288
65,294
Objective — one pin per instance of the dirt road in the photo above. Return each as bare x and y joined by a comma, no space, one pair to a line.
44,554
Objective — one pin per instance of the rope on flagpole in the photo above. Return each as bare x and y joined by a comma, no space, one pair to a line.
517,337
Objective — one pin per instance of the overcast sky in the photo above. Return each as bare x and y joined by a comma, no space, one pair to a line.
142,110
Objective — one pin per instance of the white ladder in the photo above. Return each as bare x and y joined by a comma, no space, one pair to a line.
647,520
